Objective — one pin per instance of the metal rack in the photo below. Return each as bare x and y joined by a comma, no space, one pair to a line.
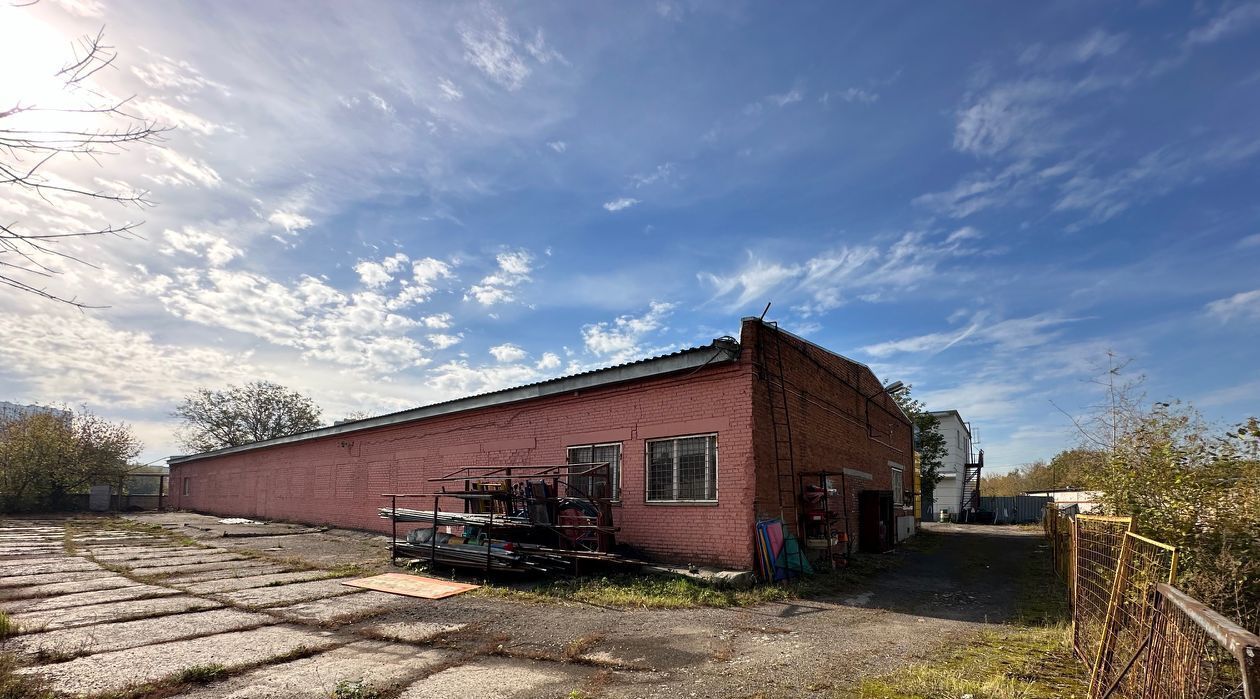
829,516
514,510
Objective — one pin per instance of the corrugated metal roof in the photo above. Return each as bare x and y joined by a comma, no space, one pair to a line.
719,351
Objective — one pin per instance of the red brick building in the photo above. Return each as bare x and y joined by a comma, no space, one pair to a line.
703,442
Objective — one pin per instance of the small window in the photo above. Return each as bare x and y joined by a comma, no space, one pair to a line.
898,487
187,485
682,469
594,485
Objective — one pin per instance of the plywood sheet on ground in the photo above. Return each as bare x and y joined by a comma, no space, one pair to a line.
411,585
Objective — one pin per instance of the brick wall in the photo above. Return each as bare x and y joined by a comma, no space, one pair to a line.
833,425
338,480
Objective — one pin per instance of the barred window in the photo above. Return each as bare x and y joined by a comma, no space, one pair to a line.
898,487
682,469
595,485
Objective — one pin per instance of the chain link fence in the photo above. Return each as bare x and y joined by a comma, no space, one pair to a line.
1142,637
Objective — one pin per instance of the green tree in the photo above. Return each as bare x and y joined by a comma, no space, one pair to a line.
928,442
239,415
1185,483
45,458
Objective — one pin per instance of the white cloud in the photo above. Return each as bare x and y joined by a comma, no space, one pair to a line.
620,340
167,115
444,341
187,169
548,362
1233,21
290,221
377,274
558,146
1251,241
852,95
78,358
752,282
663,174
507,352
437,321
1015,118
449,91
514,267
1245,305
215,249
1011,335
833,277
499,53
620,203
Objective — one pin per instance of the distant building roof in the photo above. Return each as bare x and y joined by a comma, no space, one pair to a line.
719,351
942,413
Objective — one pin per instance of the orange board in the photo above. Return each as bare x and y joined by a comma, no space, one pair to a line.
411,585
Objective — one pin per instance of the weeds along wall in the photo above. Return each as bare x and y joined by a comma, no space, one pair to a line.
338,480
841,421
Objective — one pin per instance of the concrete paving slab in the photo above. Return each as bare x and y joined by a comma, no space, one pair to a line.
248,581
19,554
380,665
411,631
79,599
495,678
344,608
100,673
258,568
149,566
14,581
86,640
191,567
287,594
157,554
112,582
66,564
104,613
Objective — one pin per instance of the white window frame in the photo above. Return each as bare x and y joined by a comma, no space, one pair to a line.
616,476
898,485
647,465
187,486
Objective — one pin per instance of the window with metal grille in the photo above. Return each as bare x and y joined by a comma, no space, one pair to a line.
898,487
595,485
682,469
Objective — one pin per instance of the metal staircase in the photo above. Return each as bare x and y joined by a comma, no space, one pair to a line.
970,502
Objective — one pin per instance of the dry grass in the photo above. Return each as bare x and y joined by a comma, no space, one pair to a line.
15,685
1011,664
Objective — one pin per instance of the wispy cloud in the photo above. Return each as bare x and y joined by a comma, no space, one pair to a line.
1245,305
622,339
621,203
514,267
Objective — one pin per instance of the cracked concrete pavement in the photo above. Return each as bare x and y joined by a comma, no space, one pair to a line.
106,606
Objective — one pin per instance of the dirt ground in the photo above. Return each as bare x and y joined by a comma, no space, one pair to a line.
106,608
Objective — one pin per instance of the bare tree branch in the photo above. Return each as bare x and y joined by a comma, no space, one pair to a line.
100,127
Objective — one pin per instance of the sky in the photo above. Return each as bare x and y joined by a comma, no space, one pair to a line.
389,204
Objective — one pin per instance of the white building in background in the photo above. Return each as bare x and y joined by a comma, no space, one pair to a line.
949,491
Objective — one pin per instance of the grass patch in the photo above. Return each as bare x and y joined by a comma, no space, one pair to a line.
1028,663
354,689
660,591
14,685
201,674
8,627
638,591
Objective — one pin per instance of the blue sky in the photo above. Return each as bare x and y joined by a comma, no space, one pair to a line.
392,204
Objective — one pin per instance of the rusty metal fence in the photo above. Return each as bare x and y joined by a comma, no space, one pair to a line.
1096,544
1142,637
